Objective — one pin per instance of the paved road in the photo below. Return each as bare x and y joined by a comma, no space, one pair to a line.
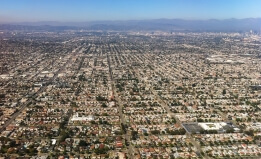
42,89
165,105
122,118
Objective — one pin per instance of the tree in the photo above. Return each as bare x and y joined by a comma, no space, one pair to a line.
224,92
83,143
250,132
73,104
100,98
155,132
64,135
200,120
230,130
12,144
134,135
124,128
104,105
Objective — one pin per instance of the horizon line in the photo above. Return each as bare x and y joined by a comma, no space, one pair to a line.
90,21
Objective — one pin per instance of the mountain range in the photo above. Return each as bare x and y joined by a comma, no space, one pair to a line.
227,25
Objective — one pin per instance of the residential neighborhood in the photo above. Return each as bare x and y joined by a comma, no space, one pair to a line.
130,95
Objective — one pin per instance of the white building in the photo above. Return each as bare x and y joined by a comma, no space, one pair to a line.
212,126
82,118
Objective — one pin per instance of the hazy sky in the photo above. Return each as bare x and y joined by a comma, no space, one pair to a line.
91,10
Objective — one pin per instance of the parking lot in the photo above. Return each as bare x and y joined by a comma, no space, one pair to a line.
192,127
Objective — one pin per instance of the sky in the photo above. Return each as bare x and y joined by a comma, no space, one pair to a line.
96,10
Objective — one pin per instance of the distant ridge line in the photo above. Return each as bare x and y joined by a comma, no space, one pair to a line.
154,24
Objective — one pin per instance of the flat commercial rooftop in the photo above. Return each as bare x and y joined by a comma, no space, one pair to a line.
198,127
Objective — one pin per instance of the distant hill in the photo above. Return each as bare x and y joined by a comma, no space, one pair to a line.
227,25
